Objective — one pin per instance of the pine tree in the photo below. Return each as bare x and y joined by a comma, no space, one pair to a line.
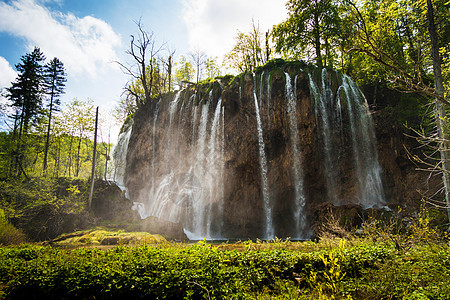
55,79
25,94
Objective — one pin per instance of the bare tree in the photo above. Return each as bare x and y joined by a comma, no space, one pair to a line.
143,50
198,58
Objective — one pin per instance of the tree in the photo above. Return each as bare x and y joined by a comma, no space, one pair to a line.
184,72
79,116
124,107
440,113
167,67
55,79
402,37
392,37
250,51
94,155
26,92
198,58
25,95
143,50
211,67
311,24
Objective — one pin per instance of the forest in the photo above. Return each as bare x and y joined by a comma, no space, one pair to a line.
51,153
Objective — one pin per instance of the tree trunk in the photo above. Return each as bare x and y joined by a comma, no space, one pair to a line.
107,156
70,155
317,45
57,158
147,93
439,109
169,72
93,159
47,142
77,169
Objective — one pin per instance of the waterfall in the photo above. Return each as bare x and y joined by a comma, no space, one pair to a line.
299,213
213,158
330,121
269,232
173,107
155,119
364,149
186,182
194,122
120,154
192,166
324,116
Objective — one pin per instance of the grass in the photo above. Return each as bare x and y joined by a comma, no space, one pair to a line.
391,259
328,269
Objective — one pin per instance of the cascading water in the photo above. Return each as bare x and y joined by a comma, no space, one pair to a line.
329,114
299,213
200,175
186,169
324,107
269,232
120,154
363,137
155,119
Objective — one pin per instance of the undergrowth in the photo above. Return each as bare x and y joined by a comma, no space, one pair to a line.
363,270
384,260
9,235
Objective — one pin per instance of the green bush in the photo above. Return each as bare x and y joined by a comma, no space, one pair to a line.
202,271
9,235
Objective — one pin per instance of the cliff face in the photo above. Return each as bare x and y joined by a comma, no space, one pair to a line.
258,156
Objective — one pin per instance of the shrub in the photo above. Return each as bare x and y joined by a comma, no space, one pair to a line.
9,235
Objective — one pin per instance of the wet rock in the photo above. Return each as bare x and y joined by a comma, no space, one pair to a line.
170,166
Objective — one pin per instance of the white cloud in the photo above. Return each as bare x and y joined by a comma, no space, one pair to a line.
85,45
7,73
213,24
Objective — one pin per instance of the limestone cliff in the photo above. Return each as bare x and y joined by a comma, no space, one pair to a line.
257,156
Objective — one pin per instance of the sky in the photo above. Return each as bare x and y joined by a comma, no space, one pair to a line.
90,36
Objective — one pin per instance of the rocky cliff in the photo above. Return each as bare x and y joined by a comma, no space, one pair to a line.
259,155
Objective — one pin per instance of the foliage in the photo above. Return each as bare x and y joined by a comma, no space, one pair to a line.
367,267
147,72
9,235
250,51
212,67
39,206
310,25
62,155
123,109
184,72
404,232
54,82
332,274
26,91
179,271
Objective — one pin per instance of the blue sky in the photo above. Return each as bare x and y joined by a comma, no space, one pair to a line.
89,35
